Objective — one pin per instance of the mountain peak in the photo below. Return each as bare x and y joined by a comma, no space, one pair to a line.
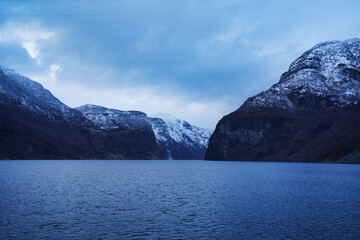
183,132
326,76
106,118
179,139
32,96
336,42
90,107
6,69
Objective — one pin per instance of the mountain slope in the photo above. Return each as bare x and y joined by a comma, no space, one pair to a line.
311,114
30,95
177,139
121,134
36,125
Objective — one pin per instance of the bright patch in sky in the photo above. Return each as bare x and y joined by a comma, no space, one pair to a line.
27,35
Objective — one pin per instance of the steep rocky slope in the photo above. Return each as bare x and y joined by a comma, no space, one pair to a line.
36,125
177,139
121,134
311,114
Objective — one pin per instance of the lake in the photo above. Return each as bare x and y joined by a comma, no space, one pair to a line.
90,199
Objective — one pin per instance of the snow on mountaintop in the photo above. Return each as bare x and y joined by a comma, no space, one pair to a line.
31,95
329,73
112,118
181,131
6,70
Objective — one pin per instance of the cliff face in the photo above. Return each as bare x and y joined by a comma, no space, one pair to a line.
177,139
119,134
311,114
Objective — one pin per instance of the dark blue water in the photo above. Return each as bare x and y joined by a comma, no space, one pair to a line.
178,200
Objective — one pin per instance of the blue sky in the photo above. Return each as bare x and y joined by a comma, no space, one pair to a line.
197,60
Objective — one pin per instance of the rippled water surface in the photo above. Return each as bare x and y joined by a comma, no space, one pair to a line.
178,200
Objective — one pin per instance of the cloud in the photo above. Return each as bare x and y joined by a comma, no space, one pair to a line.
28,35
144,98
49,78
226,42
190,65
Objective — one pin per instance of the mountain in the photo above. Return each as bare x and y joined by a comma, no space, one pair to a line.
311,115
120,134
30,95
106,118
36,125
177,139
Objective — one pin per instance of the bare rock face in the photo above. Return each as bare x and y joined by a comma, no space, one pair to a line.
311,114
178,139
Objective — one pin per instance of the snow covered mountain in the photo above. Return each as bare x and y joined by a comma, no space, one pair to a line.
32,96
122,133
312,114
327,75
100,132
177,139
35,124
111,118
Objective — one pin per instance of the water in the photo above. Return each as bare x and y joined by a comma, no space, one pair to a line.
178,200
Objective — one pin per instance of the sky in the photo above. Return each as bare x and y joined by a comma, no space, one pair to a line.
196,60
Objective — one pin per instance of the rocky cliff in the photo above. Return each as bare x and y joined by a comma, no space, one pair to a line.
178,139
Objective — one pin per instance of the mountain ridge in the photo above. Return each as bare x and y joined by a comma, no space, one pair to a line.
179,139
55,131
176,138
329,69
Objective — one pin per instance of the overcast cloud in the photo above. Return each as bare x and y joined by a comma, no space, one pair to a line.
197,60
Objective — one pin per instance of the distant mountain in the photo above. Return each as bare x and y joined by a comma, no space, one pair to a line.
312,114
36,125
106,118
119,134
177,139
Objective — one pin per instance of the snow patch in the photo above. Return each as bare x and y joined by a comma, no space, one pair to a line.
328,70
